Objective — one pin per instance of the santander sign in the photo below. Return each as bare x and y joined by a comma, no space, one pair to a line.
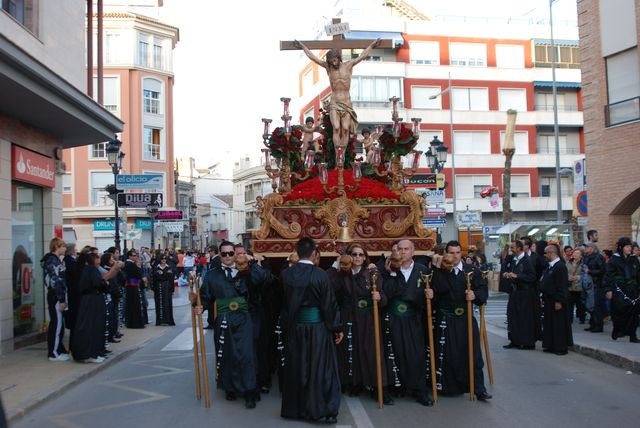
32,167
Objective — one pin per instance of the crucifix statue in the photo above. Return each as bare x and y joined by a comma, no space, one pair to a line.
343,117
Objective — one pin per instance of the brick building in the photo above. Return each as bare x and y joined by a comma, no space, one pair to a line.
609,34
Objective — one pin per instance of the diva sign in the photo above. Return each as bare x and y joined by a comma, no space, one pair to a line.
32,167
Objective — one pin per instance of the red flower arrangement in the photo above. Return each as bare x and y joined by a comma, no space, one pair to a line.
280,146
401,146
311,190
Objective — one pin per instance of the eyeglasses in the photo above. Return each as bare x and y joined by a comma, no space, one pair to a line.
227,253
357,254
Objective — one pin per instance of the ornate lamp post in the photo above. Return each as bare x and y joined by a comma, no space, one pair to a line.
436,155
152,210
115,157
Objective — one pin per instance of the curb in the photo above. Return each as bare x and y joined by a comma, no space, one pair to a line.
31,404
606,357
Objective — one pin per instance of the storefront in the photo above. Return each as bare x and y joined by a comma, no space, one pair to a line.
31,173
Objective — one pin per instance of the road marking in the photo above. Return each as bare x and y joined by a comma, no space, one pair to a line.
358,412
182,342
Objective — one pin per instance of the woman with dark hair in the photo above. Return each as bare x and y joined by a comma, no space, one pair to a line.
351,279
112,297
90,321
163,292
622,282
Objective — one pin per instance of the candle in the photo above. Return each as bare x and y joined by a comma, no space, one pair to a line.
357,172
265,132
287,125
397,127
324,175
308,163
416,126
376,156
285,102
340,156
379,129
267,160
275,182
416,159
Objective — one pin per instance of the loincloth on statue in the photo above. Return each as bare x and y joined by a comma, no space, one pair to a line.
343,110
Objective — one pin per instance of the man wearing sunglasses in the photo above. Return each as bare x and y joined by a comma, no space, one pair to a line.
232,291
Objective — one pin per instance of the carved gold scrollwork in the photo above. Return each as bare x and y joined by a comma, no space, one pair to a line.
264,209
330,212
414,218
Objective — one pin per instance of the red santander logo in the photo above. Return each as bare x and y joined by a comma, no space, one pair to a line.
32,167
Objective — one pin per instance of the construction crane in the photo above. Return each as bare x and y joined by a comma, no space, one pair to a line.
406,10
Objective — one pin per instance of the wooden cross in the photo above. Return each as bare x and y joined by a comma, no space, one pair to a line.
338,42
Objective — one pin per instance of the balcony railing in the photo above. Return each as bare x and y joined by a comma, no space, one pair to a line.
622,112
375,104
549,107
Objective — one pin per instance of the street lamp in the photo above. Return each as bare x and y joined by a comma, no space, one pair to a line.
152,210
193,210
115,157
436,155
556,130
453,163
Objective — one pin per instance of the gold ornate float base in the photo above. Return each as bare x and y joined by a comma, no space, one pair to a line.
375,226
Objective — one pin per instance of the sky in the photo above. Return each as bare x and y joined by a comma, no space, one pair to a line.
230,73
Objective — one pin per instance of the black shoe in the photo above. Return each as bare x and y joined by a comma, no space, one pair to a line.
561,352
106,352
548,351
386,398
250,403
588,329
483,396
330,420
114,341
527,347
615,335
230,396
509,346
118,335
209,327
596,330
264,390
634,340
424,399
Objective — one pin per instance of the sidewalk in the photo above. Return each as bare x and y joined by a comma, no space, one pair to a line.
28,378
620,353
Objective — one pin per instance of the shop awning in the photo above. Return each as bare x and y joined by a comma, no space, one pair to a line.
365,35
38,97
556,42
547,84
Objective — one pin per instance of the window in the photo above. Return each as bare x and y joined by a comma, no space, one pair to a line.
566,102
113,48
547,144
520,186
143,53
510,56
111,93
424,53
375,89
151,96
566,56
252,191
355,53
549,186
470,99
152,144
157,55
470,186
24,12
251,220
468,54
520,140
99,196
623,87
98,151
426,136
512,99
67,182
472,142
307,81
420,97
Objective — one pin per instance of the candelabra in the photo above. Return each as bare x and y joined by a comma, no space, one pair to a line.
340,187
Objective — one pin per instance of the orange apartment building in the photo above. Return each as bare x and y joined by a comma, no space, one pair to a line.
138,88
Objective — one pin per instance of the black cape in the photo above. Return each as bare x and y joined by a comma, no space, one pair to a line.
556,328
623,279
135,314
310,384
88,339
452,343
163,294
521,308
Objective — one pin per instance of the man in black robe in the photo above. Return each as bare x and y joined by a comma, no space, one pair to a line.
451,297
596,267
406,353
312,328
554,285
521,309
135,313
230,290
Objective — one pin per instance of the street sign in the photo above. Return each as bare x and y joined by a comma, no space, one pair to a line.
579,175
582,203
173,226
169,215
435,212
139,200
434,222
432,196
583,221
491,229
466,219
140,181
134,234
429,181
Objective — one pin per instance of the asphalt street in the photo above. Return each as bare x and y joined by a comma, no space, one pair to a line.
155,387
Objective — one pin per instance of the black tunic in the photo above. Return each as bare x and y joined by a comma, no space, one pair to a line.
521,309
163,294
623,280
233,328
311,384
88,339
407,354
134,312
452,340
556,327
357,351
